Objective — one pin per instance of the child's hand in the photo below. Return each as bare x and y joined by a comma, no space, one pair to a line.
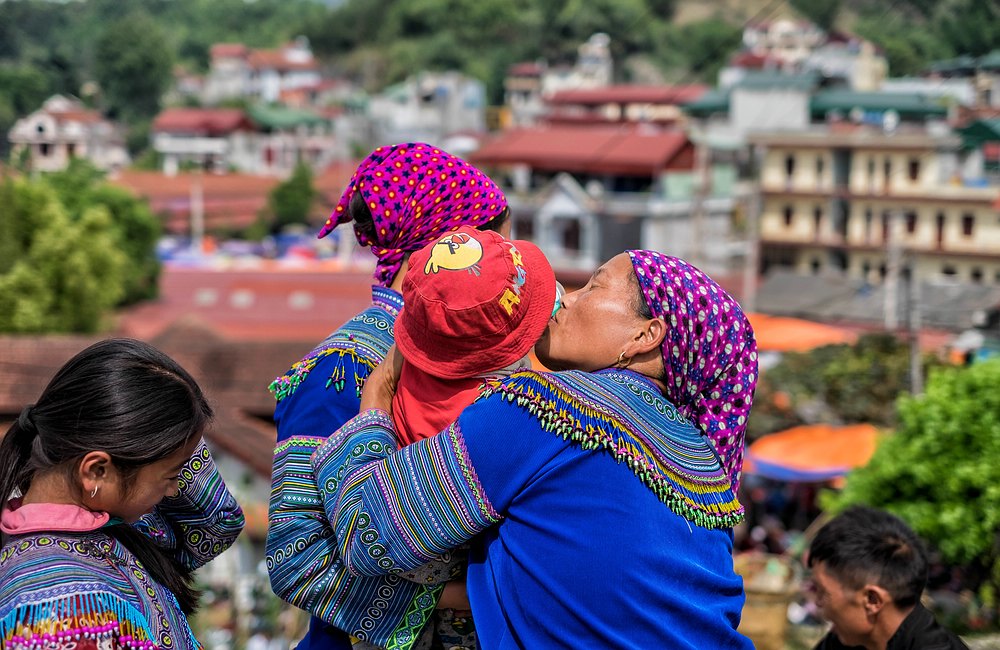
454,596
380,387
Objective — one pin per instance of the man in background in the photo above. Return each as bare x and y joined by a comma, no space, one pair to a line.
869,569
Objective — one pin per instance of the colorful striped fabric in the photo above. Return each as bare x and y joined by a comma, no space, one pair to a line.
430,499
601,517
81,590
315,398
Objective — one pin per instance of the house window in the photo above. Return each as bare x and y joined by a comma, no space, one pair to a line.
571,235
44,149
871,173
940,229
868,224
968,224
977,275
71,149
817,219
523,227
949,271
866,268
820,164
816,265
914,169
911,222
789,214
887,173
886,218
789,167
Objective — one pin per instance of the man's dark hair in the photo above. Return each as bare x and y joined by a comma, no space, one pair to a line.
364,222
864,545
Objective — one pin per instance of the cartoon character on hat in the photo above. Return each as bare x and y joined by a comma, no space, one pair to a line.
455,252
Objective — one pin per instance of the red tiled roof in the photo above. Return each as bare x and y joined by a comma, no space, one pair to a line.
202,121
629,94
253,305
228,50
230,200
525,69
83,116
751,60
276,59
599,149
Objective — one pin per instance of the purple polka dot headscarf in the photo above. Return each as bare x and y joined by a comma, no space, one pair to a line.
416,193
709,352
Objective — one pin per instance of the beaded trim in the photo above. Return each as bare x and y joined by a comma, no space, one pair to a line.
684,474
56,623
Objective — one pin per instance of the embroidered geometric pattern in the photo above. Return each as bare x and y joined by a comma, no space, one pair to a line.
306,569
366,338
682,469
55,586
440,505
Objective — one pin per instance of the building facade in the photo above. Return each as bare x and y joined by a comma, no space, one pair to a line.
63,129
857,201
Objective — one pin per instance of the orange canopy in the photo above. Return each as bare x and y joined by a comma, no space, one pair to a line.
781,334
814,452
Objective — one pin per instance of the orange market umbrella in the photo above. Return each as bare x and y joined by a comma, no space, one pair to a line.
815,452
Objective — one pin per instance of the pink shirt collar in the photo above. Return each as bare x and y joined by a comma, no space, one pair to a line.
17,519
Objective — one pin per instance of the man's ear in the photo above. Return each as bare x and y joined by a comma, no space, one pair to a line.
875,598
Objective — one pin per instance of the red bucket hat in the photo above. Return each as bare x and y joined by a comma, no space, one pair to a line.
473,302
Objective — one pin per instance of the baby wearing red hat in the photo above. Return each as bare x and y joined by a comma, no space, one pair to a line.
474,306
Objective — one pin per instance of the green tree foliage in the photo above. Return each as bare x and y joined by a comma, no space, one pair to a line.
939,470
132,63
290,201
821,12
136,229
67,273
834,383
24,90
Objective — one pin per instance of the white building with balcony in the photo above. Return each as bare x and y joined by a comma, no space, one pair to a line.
63,129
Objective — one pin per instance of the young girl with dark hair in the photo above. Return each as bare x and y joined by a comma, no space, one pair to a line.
112,500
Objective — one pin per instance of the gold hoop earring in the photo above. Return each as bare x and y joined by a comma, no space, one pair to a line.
622,361
93,493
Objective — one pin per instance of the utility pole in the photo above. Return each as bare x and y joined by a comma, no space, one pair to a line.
702,189
753,202
893,264
916,365
197,214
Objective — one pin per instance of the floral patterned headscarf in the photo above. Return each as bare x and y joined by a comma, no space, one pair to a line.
709,352
416,193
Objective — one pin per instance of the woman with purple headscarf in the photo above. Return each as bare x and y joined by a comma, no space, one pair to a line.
401,198
600,497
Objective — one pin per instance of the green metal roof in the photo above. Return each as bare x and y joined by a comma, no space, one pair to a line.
772,79
281,117
990,61
713,101
912,105
976,133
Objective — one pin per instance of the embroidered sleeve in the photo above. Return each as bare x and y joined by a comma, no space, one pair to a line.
395,514
97,620
202,520
306,570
